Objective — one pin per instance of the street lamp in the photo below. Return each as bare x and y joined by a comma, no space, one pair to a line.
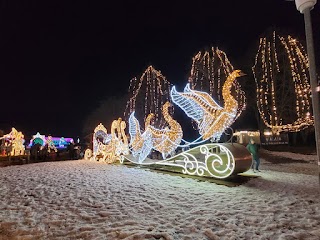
304,7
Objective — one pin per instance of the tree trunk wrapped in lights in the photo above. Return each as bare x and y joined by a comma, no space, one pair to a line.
282,81
209,71
147,95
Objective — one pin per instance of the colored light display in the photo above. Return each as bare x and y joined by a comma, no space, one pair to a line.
55,142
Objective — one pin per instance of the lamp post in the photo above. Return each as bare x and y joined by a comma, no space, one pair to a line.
304,7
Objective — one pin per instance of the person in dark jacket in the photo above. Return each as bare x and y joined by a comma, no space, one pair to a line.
70,149
253,148
35,151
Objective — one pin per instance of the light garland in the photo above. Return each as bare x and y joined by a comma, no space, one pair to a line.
209,71
283,95
151,91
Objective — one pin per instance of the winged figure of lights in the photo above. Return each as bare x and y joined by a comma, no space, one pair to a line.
211,118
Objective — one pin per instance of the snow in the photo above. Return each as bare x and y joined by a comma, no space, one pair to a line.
294,156
89,200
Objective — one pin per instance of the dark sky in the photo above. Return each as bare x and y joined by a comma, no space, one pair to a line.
59,59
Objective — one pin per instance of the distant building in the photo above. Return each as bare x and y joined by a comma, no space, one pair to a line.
243,137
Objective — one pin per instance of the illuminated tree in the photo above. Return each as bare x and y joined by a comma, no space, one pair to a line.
147,95
209,71
282,84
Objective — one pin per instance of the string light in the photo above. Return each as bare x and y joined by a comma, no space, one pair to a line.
283,95
209,71
151,91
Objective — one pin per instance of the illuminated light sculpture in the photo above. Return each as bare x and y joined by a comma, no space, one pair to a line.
212,160
16,140
218,160
58,142
212,119
140,143
165,140
282,81
51,145
120,141
150,92
209,71
38,139
108,147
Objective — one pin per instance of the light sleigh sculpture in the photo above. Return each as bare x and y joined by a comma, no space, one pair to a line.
108,147
217,160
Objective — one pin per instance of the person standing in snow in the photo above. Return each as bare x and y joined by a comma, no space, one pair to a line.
253,148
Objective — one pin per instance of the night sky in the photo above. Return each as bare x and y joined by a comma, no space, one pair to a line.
60,59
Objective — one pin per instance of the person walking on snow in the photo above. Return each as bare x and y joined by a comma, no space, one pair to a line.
253,148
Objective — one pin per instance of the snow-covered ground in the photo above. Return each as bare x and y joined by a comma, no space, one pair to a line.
87,200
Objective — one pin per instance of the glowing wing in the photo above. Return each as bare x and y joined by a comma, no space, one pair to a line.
184,100
147,146
134,126
213,104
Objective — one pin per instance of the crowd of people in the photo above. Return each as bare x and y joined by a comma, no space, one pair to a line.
39,152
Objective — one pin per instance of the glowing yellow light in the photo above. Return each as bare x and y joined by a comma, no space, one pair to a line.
106,147
209,72
17,140
211,118
275,88
149,92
